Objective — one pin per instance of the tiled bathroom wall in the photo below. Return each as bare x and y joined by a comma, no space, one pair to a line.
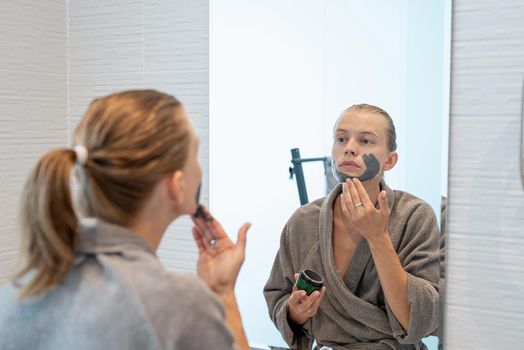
33,103
119,44
56,56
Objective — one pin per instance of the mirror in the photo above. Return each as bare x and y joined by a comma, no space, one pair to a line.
280,74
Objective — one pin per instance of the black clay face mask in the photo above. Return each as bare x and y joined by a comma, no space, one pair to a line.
372,169
197,200
200,212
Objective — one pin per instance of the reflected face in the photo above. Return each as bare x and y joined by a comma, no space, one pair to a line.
360,146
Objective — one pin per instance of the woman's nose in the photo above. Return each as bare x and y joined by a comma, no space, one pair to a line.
351,148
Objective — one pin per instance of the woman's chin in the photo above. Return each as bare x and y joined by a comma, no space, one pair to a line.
344,175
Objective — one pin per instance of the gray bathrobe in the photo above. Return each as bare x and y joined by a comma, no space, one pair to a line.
354,313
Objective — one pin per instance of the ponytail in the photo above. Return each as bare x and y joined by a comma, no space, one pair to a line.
134,139
48,224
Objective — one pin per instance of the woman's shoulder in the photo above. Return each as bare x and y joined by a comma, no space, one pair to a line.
413,219
8,293
146,282
190,286
307,213
179,289
407,203
172,298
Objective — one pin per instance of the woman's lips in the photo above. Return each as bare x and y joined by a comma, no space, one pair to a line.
349,166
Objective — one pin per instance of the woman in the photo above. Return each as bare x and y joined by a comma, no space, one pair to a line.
92,280
377,249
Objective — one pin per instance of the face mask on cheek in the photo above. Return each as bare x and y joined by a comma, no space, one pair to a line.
200,209
197,197
372,169
200,212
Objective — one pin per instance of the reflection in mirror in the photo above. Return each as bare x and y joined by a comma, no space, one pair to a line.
281,73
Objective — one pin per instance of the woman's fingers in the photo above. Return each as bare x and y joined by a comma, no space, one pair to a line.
316,304
347,197
355,196
362,193
315,298
209,221
344,200
199,240
206,232
242,235
200,237
211,229
302,306
303,303
296,299
203,243
383,202
296,280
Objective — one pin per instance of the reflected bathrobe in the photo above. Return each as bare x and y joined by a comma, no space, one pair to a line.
354,313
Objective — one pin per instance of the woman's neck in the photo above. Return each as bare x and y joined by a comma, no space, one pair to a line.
152,220
152,231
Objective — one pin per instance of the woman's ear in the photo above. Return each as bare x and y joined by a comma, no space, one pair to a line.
176,186
391,161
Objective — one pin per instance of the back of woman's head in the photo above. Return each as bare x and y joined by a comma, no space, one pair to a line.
133,139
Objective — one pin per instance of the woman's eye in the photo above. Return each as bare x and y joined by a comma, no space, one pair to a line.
340,139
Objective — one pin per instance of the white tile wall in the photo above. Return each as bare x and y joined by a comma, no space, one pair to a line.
105,37
83,88
176,35
57,55
485,280
116,45
33,101
33,36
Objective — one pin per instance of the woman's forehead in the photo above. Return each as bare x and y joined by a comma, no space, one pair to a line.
362,122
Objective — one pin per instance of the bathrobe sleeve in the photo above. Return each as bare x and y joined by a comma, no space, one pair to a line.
419,254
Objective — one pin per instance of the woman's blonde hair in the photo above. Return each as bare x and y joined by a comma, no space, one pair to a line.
133,139
364,107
